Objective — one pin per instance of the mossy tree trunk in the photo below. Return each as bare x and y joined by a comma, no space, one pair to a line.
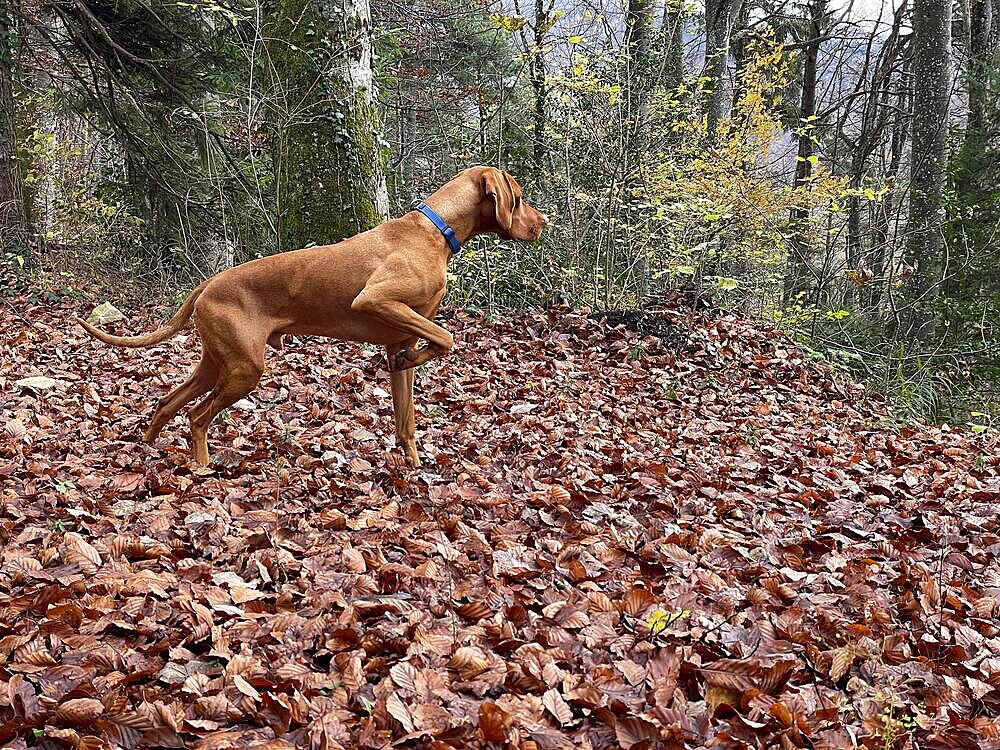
638,51
13,221
983,43
534,37
216,251
887,206
330,181
536,67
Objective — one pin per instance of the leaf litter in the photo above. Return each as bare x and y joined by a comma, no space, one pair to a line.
616,541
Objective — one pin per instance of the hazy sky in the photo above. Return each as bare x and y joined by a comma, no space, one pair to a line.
870,10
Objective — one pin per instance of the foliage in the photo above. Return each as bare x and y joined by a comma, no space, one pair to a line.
708,212
956,379
145,112
970,310
183,134
725,211
445,73
941,386
84,216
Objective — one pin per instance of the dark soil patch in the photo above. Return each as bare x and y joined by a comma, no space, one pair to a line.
646,322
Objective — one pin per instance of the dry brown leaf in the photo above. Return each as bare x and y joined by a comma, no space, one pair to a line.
637,602
405,676
354,560
554,703
469,661
559,494
474,610
398,710
77,551
493,722
79,711
843,658
314,600
246,688
782,713
632,730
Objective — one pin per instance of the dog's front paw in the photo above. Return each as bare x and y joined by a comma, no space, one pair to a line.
411,356
402,360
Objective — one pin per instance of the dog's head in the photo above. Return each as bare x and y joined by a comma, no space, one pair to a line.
515,219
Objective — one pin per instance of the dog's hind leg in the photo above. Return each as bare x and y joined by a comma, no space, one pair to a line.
235,382
231,340
199,382
240,354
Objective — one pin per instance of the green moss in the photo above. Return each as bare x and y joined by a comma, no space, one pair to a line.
327,155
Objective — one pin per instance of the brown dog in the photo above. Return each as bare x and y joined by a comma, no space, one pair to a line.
382,286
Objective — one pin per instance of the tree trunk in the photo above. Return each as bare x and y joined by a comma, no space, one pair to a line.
637,82
672,34
719,15
638,40
536,72
13,221
739,51
217,249
981,50
881,250
800,275
637,85
928,160
404,188
330,180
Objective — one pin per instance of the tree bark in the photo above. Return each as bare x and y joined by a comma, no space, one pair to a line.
534,46
672,34
638,38
928,161
719,15
800,276
539,116
13,220
217,251
881,249
536,75
637,84
331,184
982,47
739,53
409,140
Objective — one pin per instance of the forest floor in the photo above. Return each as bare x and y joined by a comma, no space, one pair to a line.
686,538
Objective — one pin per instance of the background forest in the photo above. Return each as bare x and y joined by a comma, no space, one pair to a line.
831,167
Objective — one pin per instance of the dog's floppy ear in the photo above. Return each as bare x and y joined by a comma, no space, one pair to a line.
496,186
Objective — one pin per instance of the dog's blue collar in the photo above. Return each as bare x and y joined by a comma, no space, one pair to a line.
441,224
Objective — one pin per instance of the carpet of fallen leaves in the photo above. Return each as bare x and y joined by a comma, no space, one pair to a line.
617,540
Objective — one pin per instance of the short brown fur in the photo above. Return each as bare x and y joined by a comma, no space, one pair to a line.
382,286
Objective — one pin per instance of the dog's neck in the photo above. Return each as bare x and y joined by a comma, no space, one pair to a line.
452,201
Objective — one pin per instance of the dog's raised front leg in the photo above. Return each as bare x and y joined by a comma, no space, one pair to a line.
403,318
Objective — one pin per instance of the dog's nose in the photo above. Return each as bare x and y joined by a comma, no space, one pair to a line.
545,220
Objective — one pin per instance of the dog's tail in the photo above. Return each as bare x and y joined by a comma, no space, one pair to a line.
175,324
